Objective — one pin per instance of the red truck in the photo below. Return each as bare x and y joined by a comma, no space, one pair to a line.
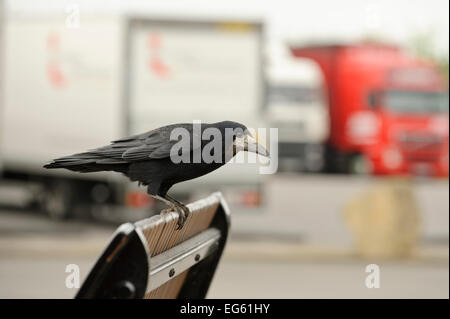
388,110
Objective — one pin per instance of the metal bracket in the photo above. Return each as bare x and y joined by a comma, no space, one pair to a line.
174,261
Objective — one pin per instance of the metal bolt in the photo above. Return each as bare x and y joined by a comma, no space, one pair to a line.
125,290
171,272
197,257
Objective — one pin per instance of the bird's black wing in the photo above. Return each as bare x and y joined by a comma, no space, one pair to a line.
155,144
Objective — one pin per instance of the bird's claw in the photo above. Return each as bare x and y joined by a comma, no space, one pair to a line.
183,213
168,210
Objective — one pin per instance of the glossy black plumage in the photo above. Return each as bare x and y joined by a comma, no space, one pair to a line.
146,158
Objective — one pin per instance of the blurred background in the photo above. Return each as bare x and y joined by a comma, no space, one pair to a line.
357,89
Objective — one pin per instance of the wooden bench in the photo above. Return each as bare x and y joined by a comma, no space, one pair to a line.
152,259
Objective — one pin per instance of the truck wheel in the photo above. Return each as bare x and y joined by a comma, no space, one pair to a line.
314,158
58,200
359,165
334,161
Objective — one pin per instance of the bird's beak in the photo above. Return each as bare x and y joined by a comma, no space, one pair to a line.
250,144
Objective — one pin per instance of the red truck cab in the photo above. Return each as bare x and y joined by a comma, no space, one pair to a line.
388,110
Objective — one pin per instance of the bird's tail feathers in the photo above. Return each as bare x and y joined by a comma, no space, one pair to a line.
81,162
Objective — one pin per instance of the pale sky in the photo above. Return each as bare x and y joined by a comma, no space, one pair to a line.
312,20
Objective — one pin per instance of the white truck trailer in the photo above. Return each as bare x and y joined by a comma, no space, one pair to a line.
69,86
297,107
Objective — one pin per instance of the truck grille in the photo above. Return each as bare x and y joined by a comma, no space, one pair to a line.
286,149
420,147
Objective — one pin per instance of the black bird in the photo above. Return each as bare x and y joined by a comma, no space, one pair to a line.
147,157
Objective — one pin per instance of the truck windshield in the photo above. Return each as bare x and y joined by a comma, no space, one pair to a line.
416,102
293,95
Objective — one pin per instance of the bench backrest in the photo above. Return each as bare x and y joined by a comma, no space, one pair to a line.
152,259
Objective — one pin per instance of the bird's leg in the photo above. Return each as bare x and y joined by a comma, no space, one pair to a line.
182,209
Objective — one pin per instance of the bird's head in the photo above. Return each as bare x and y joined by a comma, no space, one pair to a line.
243,140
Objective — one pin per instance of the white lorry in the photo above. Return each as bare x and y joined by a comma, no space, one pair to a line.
297,106
68,87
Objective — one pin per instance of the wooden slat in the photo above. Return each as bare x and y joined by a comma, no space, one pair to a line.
161,234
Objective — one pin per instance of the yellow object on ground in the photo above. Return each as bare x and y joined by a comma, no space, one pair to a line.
385,219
